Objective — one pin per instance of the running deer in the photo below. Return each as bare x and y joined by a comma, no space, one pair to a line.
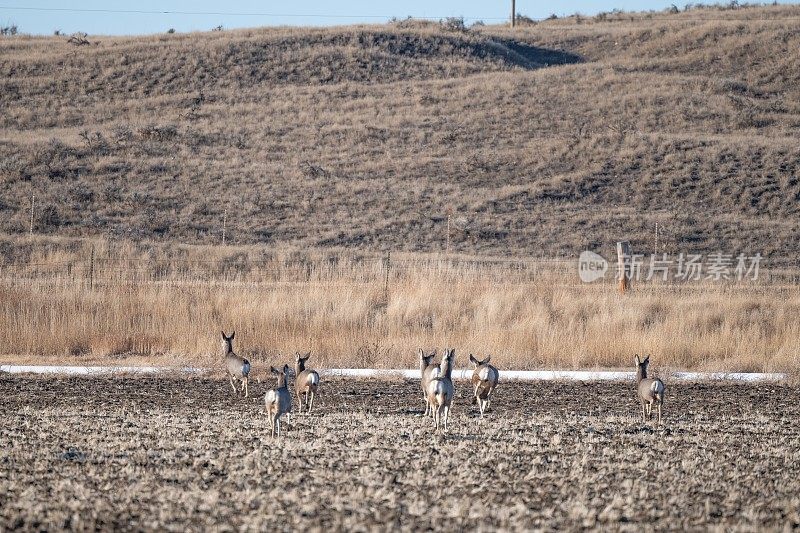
278,401
441,391
427,370
650,390
484,381
238,367
305,381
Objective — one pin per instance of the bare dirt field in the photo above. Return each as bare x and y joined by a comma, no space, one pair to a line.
183,453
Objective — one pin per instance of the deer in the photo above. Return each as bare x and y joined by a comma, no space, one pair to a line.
484,381
427,370
441,390
305,381
650,390
238,367
278,401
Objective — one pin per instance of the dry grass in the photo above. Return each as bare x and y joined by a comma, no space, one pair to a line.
178,455
363,137
527,314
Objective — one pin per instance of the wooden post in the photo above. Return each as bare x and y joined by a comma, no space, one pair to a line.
513,13
386,279
224,225
33,201
655,250
623,253
447,249
91,270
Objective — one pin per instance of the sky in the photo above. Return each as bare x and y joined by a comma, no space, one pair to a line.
46,16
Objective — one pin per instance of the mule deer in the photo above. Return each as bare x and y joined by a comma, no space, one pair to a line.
484,381
650,390
278,401
441,391
305,381
427,370
238,367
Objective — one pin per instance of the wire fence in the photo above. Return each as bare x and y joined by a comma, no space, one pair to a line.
380,270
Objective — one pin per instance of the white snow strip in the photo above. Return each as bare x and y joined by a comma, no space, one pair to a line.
96,370
521,375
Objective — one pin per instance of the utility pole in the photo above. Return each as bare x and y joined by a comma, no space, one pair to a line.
513,13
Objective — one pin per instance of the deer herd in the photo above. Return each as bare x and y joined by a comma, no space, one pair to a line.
436,382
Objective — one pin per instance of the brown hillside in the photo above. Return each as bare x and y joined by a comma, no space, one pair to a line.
541,140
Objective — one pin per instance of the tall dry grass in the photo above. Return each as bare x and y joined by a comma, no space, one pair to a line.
525,314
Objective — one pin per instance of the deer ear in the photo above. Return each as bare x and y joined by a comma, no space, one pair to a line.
308,356
273,370
223,335
647,359
233,335
486,361
638,362
472,359
285,369
421,353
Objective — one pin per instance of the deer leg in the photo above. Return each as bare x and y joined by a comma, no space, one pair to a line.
643,411
446,416
232,385
307,408
311,403
246,388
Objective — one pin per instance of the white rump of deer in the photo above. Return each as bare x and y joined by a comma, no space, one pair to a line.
441,391
238,367
306,382
650,390
484,381
278,401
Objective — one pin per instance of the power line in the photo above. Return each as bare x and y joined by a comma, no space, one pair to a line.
612,17
219,13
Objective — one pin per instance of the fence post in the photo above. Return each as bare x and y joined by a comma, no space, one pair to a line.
224,225
91,270
386,279
623,266
33,202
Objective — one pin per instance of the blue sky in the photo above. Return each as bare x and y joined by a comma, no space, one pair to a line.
251,13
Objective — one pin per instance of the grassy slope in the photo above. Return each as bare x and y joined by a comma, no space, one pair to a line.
541,140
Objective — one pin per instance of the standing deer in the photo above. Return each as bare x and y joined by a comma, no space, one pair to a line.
305,381
650,390
484,381
441,391
427,371
278,401
238,367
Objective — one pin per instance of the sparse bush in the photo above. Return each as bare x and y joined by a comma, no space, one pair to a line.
524,20
453,24
8,30
171,30
217,28
79,39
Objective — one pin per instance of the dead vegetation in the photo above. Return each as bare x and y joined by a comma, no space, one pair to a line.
140,453
162,304
556,136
